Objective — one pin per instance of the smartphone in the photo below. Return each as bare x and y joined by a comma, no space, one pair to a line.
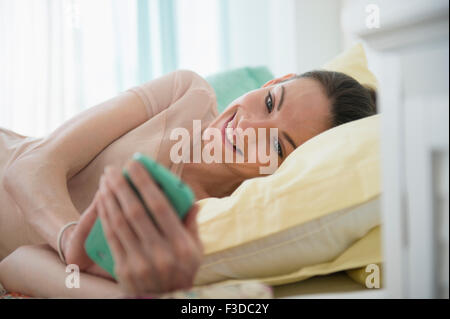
178,193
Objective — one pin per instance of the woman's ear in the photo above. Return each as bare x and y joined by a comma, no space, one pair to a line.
278,80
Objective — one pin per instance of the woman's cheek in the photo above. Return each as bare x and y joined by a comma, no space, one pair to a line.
259,153
267,158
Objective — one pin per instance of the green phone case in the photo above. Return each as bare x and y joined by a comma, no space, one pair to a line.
179,194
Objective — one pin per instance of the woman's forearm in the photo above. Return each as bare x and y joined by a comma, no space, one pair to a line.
37,271
37,179
38,185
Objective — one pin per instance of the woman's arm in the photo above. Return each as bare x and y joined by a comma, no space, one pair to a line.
36,271
37,180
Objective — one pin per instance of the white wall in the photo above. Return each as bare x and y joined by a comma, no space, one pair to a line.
67,68
286,35
248,32
319,35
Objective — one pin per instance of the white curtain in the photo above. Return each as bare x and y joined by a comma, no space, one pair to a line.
58,57
61,56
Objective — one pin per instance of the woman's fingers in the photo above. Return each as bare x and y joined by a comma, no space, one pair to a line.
88,218
126,277
156,201
184,246
191,224
73,249
132,207
144,275
117,221
191,220
117,250
164,258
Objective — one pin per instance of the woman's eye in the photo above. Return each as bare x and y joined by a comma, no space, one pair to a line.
269,102
278,147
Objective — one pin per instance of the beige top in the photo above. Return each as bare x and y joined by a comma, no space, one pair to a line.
172,101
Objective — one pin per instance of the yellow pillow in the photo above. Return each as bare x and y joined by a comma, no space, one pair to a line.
363,252
353,62
304,219
361,275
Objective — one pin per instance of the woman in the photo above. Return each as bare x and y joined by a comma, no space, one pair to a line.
76,170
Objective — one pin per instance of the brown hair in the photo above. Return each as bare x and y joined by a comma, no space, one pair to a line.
350,100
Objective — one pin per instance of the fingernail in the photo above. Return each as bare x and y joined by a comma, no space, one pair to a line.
103,184
128,165
103,189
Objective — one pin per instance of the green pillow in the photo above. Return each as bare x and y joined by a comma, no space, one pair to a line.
231,84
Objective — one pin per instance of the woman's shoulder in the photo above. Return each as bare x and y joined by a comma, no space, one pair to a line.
202,97
194,81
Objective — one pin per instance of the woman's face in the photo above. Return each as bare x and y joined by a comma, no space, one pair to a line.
299,110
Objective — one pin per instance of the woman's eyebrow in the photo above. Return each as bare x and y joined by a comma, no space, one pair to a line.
281,98
289,139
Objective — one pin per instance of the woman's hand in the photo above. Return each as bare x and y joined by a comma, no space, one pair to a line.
74,237
148,258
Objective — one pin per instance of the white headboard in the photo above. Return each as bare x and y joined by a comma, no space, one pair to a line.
410,53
